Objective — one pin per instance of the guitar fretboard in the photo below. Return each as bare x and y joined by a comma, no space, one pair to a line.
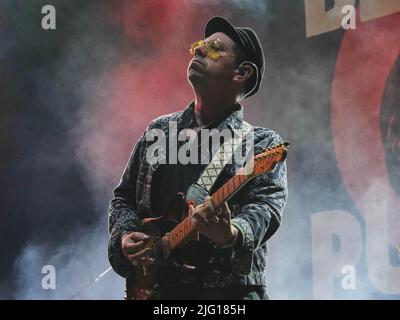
184,229
224,193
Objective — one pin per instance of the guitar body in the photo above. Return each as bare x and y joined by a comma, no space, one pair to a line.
142,282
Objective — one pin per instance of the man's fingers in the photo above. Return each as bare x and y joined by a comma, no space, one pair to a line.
225,210
191,209
136,256
136,236
133,242
134,247
199,221
208,204
211,214
225,213
204,215
201,215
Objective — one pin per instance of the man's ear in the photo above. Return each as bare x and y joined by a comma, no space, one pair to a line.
243,72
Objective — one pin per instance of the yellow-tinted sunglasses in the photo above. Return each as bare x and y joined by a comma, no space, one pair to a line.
214,48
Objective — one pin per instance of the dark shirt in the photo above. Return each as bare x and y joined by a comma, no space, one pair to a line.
256,209
177,178
169,179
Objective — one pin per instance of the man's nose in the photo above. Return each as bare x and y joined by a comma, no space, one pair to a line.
200,51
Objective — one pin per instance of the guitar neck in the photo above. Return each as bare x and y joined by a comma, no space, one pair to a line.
225,192
263,162
184,230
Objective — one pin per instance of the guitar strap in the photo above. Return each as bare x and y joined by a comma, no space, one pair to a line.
200,189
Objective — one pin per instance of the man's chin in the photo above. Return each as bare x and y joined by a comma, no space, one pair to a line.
195,77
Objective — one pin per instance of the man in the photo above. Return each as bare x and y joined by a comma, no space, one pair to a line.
227,67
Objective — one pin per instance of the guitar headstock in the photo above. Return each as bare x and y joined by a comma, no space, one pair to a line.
268,159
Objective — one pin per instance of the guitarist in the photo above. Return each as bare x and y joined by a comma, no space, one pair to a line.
229,261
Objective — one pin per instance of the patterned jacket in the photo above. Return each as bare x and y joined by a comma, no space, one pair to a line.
256,209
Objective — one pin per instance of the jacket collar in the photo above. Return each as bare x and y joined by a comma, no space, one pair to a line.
233,121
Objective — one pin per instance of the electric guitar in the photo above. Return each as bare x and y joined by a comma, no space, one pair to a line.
172,231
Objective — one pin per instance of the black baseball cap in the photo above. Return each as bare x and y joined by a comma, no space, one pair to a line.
245,38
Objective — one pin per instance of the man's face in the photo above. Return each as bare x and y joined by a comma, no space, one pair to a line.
206,72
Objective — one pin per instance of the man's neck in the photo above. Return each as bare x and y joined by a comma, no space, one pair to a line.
208,111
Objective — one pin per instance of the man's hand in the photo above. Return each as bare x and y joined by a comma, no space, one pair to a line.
213,225
132,247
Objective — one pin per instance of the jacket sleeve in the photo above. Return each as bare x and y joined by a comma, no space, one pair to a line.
262,202
122,214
